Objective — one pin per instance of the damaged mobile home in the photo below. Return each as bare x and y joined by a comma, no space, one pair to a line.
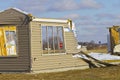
114,40
35,44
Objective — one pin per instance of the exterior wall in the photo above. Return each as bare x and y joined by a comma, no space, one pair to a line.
71,43
54,62
41,62
21,62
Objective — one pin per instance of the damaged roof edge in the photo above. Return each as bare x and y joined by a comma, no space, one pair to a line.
50,20
33,18
19,10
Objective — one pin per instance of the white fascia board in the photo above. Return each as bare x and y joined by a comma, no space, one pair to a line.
20,10
50,20
16,10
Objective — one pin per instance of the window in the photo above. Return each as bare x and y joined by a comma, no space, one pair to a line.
8,41
52,39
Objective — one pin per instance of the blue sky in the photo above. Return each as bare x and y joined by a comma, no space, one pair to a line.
92,17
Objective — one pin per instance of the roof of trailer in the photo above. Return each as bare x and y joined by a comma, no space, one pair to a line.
13,16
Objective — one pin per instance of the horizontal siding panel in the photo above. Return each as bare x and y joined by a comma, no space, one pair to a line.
36,34
36,39
33,36
35,47
45,62
22,36
13,59
47,66
22,41
55,58
36,51
13,67
71,43
36,44
23,47
55,63
36,29
16,63
23,33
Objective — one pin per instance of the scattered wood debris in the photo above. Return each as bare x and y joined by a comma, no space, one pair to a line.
95,63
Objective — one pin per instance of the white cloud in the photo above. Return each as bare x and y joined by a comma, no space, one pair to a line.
108,16
98,22
87,4
33,5
59,5
78,17
72,16
94,29
73,5
63,5
91,32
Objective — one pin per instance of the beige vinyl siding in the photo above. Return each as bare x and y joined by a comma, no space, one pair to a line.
36,43
70,42
55,61
22,61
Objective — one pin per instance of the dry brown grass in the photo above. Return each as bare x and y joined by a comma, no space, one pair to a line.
109,73
99,50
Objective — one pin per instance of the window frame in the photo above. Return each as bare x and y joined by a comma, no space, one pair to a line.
5,40
53,53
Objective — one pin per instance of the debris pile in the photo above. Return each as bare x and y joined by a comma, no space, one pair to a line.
96,59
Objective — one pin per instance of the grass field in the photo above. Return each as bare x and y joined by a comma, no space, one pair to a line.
109,73
99,50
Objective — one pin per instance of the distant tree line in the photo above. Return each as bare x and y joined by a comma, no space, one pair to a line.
92,45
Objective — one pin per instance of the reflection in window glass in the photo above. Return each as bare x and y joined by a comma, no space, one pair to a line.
56,38
52,39
61,40
8,41
11,42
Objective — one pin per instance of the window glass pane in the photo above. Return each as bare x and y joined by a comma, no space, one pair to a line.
61,40
8,40
52,39
56,38
44,39
11,42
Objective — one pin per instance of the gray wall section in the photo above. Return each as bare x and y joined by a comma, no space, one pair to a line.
22,61
12,16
